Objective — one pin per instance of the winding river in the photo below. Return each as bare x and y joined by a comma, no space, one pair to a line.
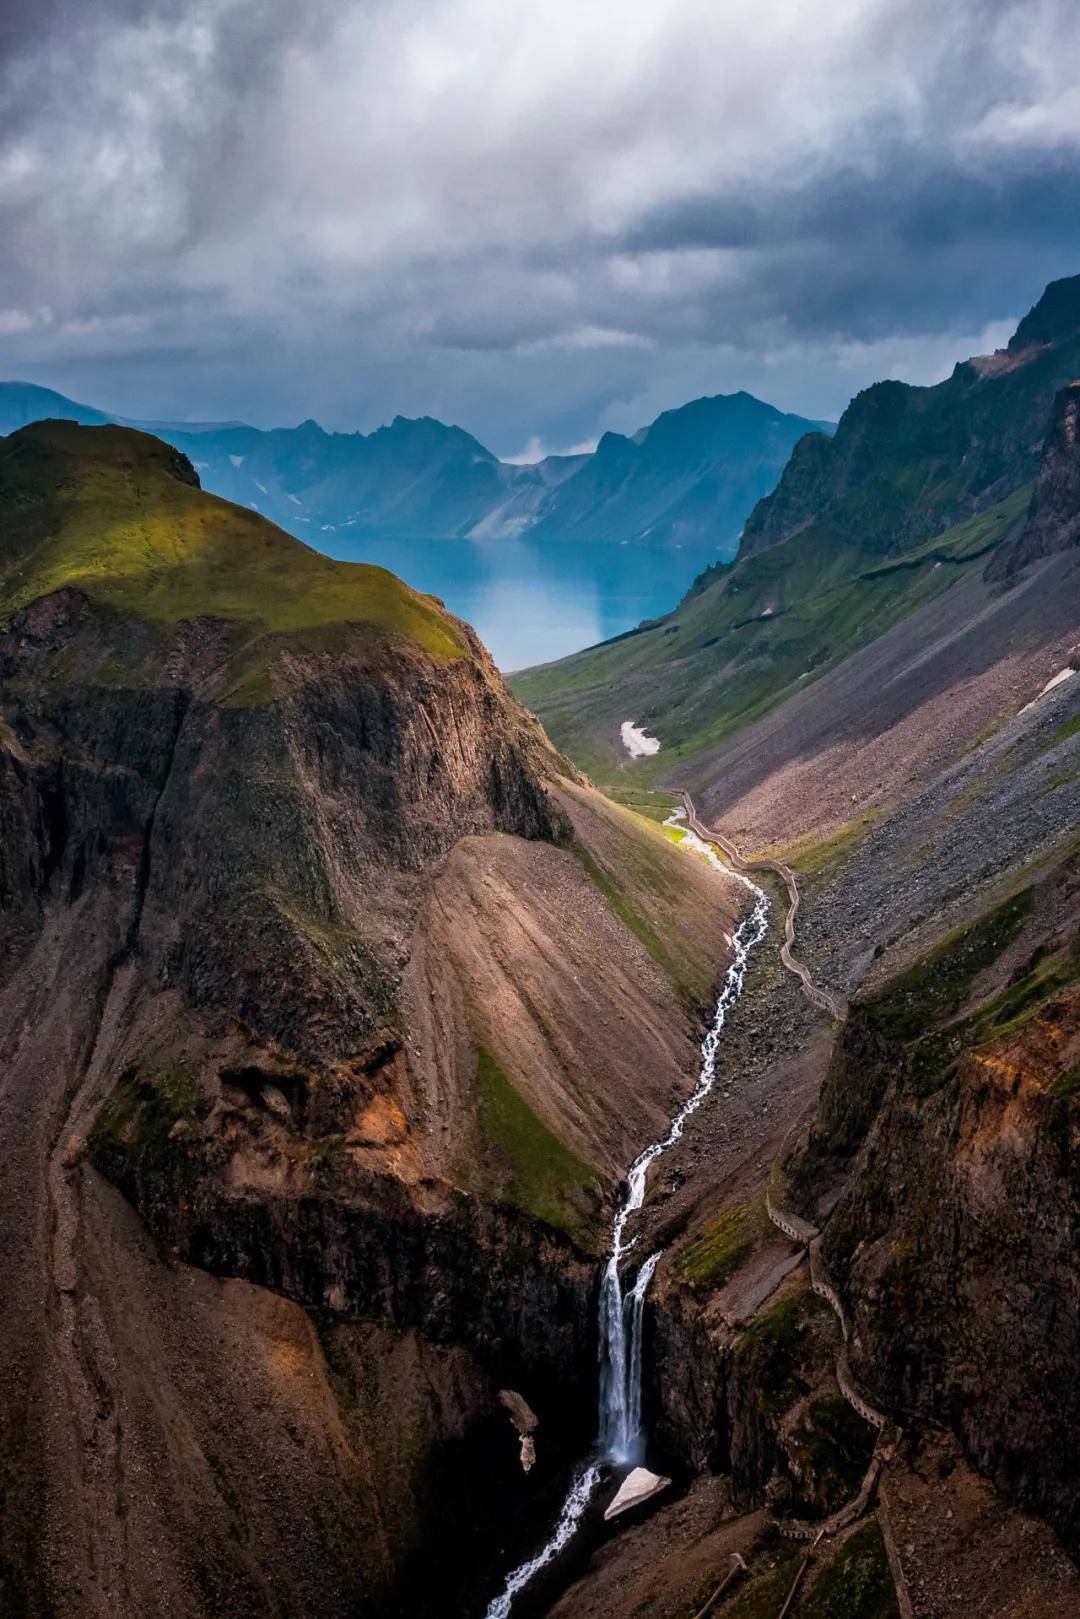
621,1440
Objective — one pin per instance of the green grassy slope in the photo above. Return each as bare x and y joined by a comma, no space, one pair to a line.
541,1175
112,512
766,626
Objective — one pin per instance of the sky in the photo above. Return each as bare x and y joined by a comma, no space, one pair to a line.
540,220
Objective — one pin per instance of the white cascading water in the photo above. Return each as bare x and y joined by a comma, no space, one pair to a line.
634,1437
621,1435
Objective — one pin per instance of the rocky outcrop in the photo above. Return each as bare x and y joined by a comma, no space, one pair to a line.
1053,520
951,1104
289,836
907,462
764,1407
428,1259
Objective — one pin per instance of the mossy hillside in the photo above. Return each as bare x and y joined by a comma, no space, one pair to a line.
919,1027
856,1583
999,1019
967,540
813,857
540,1175
147,1128
1067,1084
139,1112
918,1011
924,1008
773,1564
832,1446
768,1353
620,897
713,1256
655,806
937,985
109,512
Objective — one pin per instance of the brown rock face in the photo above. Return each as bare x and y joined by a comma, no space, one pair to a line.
964,1284
206,908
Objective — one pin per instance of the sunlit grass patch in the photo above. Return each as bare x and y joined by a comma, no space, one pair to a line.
545,1177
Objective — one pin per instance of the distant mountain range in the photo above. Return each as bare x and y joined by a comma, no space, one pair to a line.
693,476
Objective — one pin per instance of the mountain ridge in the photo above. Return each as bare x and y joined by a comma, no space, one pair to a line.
917,486
692,474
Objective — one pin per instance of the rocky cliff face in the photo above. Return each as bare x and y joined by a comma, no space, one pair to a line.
1053,520
760,1406
951,1109
245,793
207,908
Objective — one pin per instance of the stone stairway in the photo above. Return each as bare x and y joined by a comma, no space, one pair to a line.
807,1236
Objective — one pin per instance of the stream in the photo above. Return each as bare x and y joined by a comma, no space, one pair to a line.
621,1438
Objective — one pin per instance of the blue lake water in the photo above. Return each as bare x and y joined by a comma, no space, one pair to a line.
529,602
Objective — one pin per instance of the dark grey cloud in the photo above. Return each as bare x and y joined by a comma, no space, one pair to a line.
538,220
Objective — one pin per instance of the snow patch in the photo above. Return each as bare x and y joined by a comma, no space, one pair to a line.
1056,680
294,499
237,460
1061,676
261,486
638,744
638,1485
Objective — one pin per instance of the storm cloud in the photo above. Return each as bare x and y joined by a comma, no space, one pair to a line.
538,220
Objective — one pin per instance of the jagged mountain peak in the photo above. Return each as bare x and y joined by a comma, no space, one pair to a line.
917,486
691,476
1054,318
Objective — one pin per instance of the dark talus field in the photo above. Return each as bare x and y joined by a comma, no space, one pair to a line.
335,1002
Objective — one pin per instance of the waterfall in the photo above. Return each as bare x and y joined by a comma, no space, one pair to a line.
621,1437
633,1371
620,1361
